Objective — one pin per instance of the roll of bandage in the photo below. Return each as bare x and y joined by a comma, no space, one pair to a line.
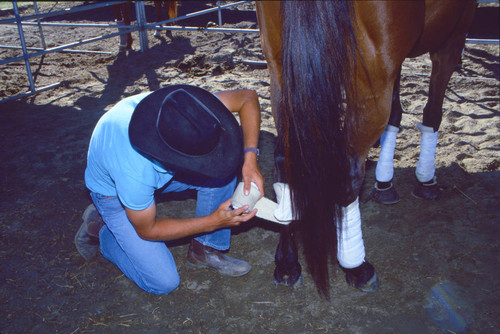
239,199
266,208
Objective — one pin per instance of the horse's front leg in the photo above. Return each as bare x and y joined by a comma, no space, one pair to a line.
288,270
384,191
444,61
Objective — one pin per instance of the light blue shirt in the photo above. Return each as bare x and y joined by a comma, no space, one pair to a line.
115,168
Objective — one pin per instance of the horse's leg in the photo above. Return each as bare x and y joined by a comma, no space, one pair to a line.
351,252
117,10
159,16
127,9
350,246
288,270
383,190
444,62
171,7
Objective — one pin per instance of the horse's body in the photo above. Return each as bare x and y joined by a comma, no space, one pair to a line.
334,68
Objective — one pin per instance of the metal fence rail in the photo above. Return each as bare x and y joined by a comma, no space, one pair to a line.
141,27
482,40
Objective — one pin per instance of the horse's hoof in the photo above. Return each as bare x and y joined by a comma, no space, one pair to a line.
384,196
363,278
298,282
427,190
371,286
293,279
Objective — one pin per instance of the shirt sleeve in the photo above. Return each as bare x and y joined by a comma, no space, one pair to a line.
133,193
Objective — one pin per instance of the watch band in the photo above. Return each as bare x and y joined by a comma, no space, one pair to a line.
252,149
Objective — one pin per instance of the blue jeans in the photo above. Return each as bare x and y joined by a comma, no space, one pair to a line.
150,264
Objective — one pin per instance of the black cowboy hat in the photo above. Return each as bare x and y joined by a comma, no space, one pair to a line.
186,128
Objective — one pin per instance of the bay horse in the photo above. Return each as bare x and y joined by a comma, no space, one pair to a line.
334,68
171,11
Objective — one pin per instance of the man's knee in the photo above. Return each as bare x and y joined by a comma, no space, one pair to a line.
162,285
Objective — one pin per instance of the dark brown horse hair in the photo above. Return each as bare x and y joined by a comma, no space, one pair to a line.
318,60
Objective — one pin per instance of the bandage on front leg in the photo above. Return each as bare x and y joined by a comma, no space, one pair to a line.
425,166
385,165
350,246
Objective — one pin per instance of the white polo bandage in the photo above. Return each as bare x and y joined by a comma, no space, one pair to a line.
239,199
350,246
283,196
385,165
425,166
266,208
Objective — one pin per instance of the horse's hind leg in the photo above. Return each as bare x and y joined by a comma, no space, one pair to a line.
383,190
351,251
288,270
444,62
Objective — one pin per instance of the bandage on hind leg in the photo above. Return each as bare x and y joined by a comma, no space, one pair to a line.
425,166
284,199
385,165
350,246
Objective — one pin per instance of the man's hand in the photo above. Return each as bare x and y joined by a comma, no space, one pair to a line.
251,173
150,227
226,217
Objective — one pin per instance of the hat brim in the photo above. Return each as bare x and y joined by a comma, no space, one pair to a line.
220,163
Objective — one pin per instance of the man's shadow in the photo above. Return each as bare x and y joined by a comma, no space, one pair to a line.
130,66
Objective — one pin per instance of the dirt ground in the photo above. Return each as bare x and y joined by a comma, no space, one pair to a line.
438,261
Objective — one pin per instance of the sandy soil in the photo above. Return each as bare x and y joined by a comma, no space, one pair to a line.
434,259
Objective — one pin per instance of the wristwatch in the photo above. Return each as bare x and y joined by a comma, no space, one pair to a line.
252,149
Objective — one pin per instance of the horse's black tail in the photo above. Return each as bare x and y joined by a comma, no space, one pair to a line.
318,62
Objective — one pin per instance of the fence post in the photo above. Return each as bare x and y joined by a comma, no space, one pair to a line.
141,22
219,13
23,45
42,38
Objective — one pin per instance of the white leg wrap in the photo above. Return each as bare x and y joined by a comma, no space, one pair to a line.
123,37
385,165
350,247
283,197
425,166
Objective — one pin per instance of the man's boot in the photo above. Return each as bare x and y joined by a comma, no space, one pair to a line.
87,237
200,256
